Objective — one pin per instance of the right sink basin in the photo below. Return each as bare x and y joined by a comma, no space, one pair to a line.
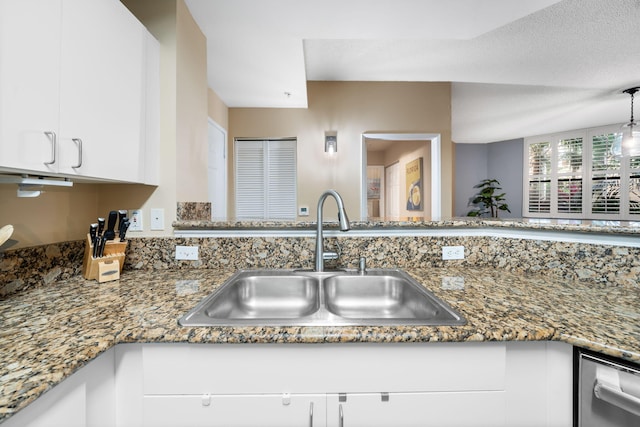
384,297
379,297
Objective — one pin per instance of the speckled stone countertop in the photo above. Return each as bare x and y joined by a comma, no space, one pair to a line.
49,332
589,226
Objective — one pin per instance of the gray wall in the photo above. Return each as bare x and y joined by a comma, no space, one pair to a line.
499,160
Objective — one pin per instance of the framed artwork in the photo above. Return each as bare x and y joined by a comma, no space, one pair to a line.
414,185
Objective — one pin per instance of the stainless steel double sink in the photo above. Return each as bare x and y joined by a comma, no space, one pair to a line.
334,298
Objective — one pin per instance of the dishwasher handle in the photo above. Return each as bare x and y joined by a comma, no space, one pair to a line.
617,397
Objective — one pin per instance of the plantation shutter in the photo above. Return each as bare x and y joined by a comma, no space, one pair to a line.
605,175
265,179
634,186
581,174
569,167
539,177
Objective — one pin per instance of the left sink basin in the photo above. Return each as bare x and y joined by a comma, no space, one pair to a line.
250,296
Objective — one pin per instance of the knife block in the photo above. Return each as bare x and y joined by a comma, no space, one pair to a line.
104,268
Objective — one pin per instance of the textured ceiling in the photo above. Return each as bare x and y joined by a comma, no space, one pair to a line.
518,67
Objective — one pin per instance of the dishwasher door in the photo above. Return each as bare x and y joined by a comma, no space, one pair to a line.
608,393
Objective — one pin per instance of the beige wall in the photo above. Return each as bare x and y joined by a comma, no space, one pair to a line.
58,215
191,108
218,111
350,108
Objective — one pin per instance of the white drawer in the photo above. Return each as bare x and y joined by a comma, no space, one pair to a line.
322,368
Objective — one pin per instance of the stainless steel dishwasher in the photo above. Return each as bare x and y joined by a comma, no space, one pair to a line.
608,392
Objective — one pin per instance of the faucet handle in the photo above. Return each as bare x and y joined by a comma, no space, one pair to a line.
330,255
362,265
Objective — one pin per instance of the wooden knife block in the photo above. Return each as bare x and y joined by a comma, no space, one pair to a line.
103,268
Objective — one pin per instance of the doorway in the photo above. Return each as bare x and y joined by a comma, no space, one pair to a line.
217,171
392,196
432,172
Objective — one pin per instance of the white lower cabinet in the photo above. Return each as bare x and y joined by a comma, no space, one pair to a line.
513,384
85,399
448,409
234,410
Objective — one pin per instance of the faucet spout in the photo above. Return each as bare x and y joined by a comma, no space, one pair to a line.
343,219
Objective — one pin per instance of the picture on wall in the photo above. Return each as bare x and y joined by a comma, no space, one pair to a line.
414,185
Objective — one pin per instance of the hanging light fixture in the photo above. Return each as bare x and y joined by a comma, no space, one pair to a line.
630,144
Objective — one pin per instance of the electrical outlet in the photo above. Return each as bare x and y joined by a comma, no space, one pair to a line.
452,252
135,220
157,219
187,252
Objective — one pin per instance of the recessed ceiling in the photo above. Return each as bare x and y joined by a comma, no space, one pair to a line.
518,67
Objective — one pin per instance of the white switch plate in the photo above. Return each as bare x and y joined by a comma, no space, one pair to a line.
135,220
452,252
187,252
157,219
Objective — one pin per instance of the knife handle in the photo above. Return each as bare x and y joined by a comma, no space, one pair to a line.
111,225
96,247
100,226
103,242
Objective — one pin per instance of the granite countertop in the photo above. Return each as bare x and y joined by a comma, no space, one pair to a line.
541,224
50,332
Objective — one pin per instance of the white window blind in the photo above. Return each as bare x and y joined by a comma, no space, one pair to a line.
265,179
569,167
605,175
539,177
578,175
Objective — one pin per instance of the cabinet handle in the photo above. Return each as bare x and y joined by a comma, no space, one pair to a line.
340,416
311,414
52,138
78,142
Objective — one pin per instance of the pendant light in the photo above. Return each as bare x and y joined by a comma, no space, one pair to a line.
631,131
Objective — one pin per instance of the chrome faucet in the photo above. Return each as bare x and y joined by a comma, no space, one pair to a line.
321,255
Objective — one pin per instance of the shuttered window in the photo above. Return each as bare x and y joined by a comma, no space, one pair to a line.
265,179
539,179
580,174
605,175
634,186
569,166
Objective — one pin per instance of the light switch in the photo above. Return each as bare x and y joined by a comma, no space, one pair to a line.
157,219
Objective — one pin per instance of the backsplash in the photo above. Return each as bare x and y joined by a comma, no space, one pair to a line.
193,211
39,265
597,264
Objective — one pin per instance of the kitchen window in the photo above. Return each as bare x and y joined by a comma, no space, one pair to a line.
580,174
265,179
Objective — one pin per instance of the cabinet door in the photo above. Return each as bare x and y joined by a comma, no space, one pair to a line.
29,83
452,409
234,410
101,90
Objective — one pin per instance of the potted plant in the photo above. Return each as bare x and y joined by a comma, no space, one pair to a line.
487,201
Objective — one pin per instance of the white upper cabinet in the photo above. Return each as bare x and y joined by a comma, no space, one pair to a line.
85,68
30,32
